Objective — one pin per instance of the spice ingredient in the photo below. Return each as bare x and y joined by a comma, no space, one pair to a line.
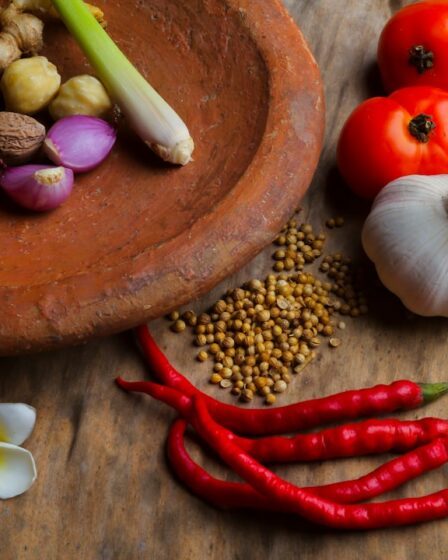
308,504
262,334
29,84
157,124
312,504
350,440
349,405
79,142
80,95
37,187
21,137
46,8
238,495
21,34
406,235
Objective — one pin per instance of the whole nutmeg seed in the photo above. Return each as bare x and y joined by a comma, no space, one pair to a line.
21,137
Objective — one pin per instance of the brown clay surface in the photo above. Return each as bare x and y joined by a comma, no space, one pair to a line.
105,491
138,237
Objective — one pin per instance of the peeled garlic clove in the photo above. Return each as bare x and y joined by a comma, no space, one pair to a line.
17,470
17,421
79,142
38,187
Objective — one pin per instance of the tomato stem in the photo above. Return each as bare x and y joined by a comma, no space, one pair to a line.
421,127
421,58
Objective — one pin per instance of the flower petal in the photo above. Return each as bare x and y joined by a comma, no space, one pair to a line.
16,422
17,470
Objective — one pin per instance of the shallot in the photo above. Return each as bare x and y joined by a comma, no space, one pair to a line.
79,142
37,187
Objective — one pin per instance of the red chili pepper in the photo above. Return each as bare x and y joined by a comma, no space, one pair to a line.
238,495
382,399
351,440
308,504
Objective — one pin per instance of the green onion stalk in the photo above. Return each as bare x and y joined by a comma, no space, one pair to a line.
148,114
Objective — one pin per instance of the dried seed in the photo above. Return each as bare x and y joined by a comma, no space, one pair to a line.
204,319
178,326
280,386
190,318
247,395
202,356
334,342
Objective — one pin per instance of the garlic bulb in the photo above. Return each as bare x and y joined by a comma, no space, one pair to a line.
406,236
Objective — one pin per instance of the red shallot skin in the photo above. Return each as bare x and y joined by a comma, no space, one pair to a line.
79,142
37,187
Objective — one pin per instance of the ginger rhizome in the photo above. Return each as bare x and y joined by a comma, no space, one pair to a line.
21,34
46,8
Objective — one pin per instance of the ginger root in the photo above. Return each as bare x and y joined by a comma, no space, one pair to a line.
21,34
45,7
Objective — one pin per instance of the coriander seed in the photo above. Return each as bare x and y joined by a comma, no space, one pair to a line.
178,326
202,356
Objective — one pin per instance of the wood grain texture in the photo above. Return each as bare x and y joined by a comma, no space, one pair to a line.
104,490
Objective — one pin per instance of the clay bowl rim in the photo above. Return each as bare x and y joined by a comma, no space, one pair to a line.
279,160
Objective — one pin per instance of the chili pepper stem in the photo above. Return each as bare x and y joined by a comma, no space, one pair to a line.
432,391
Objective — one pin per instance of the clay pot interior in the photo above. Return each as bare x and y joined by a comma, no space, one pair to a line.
107,258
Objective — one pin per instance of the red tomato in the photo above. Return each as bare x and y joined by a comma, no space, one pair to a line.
388,137
413,47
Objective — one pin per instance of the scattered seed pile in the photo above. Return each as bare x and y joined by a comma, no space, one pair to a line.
266,331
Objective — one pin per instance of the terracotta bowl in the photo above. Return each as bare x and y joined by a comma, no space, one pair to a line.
138,237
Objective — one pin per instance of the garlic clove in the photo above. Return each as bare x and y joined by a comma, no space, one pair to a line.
79,142
17,421
17,470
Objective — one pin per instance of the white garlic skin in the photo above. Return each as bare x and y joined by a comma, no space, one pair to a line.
406,237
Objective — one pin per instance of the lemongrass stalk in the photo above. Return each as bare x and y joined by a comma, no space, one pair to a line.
157,124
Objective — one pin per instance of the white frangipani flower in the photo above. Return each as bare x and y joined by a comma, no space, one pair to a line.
17,467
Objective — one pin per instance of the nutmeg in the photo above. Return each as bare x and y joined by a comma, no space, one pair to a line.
20,137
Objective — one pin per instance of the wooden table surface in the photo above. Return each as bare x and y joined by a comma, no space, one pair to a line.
104,490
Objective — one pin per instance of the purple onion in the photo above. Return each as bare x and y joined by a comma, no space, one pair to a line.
37,187
79,142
